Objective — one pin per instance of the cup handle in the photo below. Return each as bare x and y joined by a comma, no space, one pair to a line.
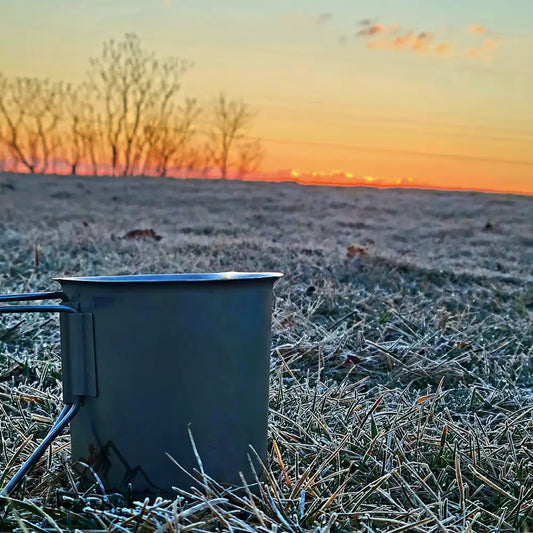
58,295
70,409
35,308
77,340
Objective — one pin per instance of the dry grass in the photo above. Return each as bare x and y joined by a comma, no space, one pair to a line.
401,379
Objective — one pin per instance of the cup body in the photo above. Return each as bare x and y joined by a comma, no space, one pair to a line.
175,357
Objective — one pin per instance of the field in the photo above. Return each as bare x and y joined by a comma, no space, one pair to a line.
402,368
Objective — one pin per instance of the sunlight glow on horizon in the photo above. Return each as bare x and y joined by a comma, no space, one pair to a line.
335,178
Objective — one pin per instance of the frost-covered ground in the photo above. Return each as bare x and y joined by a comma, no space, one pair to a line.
402,372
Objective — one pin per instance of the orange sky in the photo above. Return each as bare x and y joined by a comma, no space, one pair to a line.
414,92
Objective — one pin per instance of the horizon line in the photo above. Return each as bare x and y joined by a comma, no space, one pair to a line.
284,179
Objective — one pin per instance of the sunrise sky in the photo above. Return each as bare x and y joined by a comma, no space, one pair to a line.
421,93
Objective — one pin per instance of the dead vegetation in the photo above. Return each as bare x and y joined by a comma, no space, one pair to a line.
401,387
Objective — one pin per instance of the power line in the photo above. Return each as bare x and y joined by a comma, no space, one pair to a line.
375,149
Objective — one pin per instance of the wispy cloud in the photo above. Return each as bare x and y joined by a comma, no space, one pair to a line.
476,28
485,51
420,43
388,37
444,49
371,29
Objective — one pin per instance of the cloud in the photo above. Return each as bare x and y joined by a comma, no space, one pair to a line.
485,51
476,28
420,43
443,49
414,42
371,29
388,37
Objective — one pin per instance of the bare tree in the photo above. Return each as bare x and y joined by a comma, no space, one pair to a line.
185,132
198,158
30,109
74,107
82,128
250,155
135,89
230,119
124,120
168,139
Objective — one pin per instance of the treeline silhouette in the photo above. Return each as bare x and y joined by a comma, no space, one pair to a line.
126,118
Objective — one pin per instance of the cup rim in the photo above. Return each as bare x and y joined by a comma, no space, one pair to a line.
178,277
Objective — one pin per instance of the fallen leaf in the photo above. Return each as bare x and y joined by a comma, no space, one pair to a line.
352,360
140,233
356,251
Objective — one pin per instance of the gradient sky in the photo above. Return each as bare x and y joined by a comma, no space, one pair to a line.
429,93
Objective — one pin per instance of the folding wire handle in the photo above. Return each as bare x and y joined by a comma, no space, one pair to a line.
70,409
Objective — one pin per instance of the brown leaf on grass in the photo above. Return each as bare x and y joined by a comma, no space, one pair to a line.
140,233
462,344
352,360
356,251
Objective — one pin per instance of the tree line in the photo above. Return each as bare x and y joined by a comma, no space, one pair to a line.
126,118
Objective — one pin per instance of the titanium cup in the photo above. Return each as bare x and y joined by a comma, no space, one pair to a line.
156,363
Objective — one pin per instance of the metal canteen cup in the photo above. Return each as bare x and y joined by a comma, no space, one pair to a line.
149,361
